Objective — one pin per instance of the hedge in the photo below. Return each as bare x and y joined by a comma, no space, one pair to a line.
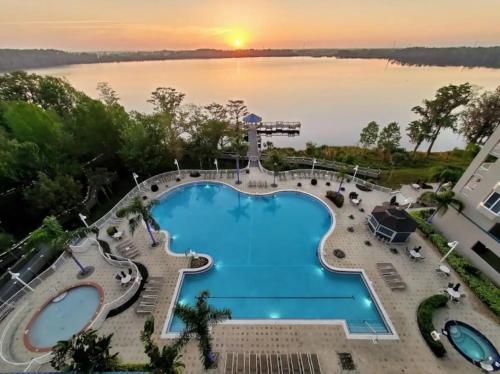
133,367
425,313
481,285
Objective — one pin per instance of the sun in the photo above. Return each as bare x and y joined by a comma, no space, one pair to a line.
237,43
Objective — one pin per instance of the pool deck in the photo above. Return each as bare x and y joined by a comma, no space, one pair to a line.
409,354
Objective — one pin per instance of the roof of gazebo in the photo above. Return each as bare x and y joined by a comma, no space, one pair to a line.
252,118
394,219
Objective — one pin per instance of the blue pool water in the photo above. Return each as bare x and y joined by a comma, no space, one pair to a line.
471,343
60,320
265,254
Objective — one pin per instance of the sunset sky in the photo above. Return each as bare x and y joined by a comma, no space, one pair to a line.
188,24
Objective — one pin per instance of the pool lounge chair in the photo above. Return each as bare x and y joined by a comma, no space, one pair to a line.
252,364
274,366
263,364
240,363
285,365
229,363
306,367
397,285
315,363
294,360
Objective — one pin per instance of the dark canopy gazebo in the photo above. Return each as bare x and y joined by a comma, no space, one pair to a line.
390,223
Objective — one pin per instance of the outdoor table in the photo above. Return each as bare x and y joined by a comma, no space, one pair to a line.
126,279
416,186
415,255
118,235
444,269
355,201
453,294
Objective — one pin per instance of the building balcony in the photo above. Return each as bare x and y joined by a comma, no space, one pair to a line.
487,212
496,150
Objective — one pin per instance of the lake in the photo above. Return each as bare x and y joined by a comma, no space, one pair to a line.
333,98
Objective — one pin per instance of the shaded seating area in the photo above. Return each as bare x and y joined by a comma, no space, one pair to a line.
271,363
391,224
125,277
354,198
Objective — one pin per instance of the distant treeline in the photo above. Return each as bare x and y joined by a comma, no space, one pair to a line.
17,59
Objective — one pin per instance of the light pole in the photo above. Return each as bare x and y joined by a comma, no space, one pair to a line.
312,169
178,168
274,176
216,166
83,219
355,172
15,276
238,169
452,246
135,176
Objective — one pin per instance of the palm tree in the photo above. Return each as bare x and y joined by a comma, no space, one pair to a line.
140,212
445,174
443,201
52,233
341,174
85,353
164,361
238,146
198,320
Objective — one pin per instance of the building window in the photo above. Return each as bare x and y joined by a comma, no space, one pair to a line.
487,255
495,230
493,202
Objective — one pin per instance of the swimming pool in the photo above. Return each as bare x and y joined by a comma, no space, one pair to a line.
471,344
265,253
63,316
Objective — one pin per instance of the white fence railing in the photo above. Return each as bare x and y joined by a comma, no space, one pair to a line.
323,174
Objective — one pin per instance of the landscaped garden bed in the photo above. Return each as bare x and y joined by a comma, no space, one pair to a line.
481,285
425,313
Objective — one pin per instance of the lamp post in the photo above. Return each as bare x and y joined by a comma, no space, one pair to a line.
452,246
135,176
312,169
355,171
216,166
178,168
83,219
15,276
274,176
238,169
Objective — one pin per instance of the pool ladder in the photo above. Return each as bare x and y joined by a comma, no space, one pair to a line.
375,340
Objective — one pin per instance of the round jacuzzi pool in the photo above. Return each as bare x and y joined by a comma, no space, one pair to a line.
473,345
66,314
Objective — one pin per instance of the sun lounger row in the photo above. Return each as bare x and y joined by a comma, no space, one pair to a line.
257,184
127,249
390,275
272,363
149,295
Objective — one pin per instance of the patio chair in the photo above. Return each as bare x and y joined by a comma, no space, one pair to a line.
118,277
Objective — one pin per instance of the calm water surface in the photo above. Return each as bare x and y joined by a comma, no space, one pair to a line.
333,99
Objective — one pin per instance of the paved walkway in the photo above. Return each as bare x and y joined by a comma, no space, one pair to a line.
407,355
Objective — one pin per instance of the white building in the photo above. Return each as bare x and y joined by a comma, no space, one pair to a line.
477,228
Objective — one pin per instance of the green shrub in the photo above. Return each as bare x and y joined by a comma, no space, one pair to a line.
336,197
135,367
425,313
481,285
111,230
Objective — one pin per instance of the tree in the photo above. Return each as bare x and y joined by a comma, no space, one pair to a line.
341,174
481,117
216,112
237,145
107,94
442,201
54,195
236,110
140,212
164,361
389,138
166,100
440,112
417,132
198,320
444,174
85,353
369,135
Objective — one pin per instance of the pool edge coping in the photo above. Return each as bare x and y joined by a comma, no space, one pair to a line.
391,335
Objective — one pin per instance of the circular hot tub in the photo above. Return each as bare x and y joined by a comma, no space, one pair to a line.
472,345
66,314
